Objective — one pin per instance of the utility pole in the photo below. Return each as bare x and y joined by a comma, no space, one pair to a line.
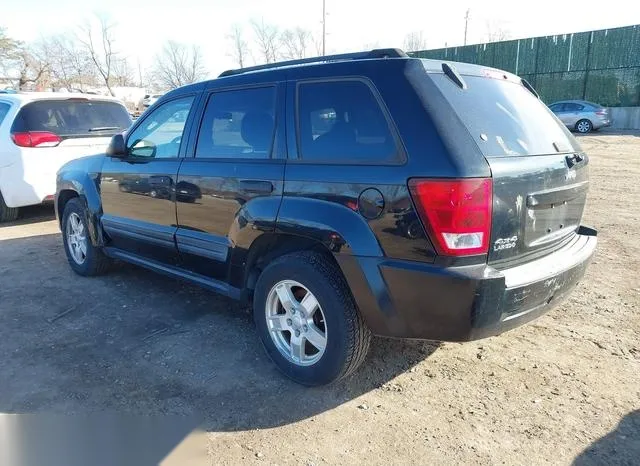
466,25
324,28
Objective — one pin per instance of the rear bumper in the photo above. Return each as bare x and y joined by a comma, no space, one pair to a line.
412,300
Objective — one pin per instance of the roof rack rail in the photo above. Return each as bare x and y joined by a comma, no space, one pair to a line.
376,53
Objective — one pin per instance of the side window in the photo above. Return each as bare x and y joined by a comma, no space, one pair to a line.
342,122
556,108
160,133
4,109
570,107
238,124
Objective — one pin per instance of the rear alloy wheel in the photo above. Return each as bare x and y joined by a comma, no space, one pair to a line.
307,320
296,323
7,214
584,126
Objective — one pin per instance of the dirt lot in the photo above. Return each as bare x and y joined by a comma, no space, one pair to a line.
564,388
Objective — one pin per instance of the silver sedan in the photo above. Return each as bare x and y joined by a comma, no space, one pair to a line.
580,115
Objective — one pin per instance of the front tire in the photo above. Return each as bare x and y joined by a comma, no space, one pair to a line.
84,258
7,214
584,126
307,320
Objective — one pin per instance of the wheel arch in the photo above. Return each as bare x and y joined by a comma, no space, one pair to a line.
80,185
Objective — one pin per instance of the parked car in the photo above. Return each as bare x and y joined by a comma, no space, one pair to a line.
39,132
301,172
581,116
148,100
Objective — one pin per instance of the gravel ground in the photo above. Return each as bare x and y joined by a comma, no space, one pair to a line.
564,388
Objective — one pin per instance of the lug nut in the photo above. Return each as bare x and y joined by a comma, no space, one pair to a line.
293,311
289,322
305,328
297,333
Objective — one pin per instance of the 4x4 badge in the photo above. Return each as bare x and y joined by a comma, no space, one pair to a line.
505,243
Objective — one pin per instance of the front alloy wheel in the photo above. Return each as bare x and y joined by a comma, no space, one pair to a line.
76,238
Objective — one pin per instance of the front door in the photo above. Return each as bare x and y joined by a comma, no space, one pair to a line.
228,193
138,191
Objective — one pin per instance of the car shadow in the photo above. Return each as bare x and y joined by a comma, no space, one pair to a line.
33,214
137,342
620,446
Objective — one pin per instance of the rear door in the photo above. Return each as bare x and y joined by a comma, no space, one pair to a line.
229,191
138,191
572,113
540,174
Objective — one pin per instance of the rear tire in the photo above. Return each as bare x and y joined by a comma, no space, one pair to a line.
584,126
329,317
84,258
7,214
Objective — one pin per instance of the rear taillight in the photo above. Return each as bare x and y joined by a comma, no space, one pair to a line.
36,139
602,112
455,213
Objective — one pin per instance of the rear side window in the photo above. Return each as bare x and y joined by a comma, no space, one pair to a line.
504,117
73,117
343,122
238,124
4,109
571,107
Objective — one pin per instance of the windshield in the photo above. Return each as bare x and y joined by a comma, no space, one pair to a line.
73,117
505,118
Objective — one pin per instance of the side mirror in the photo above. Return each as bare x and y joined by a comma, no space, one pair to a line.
117,147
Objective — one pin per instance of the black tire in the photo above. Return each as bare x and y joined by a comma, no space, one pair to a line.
584,126
348,337
7,214
95,262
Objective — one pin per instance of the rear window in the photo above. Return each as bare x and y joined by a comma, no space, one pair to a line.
73,117
505,118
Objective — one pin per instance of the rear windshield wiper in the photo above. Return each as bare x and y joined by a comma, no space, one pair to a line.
103,128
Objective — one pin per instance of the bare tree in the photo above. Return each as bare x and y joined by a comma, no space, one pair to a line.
266,37
9,55
70,65
32,69
295,43
100,50
239,46
415,41
496,32
122,72
179,64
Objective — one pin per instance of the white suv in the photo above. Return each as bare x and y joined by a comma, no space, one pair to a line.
40,132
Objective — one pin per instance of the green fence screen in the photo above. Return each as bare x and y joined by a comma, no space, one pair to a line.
601,66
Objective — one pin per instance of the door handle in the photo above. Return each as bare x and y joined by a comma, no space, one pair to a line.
256,186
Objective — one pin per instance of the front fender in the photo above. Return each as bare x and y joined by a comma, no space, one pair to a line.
82,177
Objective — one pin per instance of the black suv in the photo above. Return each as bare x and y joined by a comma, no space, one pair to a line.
344,196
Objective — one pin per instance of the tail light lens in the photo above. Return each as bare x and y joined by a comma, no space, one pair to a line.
455,213
36,139
602,112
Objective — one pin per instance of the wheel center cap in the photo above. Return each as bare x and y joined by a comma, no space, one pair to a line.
298,321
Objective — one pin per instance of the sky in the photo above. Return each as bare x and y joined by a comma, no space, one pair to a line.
142,26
